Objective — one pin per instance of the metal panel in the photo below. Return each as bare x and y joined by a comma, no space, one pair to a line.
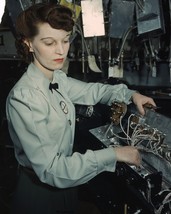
121,17
93,20
150,17
151,160
7,45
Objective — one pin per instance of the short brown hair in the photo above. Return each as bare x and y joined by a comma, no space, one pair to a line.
57,16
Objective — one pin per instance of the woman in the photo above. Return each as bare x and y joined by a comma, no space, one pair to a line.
41,116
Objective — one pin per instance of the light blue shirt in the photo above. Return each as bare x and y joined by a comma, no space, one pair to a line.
42,126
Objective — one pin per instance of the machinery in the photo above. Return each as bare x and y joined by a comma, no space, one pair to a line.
151,181
131,40
116,41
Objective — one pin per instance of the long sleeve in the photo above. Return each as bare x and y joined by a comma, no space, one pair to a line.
45,143
42,127
92,93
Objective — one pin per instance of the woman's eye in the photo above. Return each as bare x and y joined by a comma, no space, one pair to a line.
66,41
48,44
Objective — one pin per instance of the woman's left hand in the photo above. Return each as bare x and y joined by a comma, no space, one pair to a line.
140,100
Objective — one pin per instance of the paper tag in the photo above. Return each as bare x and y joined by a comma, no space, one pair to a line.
117,72
110,71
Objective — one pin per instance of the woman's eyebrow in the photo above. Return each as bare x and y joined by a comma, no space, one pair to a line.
49,37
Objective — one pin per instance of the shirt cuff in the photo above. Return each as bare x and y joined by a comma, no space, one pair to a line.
129,96
106,160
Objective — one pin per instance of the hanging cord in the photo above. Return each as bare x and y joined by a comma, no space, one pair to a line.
166,200
170,40
74,9
79,30
110,55
25,5
91,59
139,4
125,36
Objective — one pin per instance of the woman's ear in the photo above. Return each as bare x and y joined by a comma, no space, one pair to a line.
28,43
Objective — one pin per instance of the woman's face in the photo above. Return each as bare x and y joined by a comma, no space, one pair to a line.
50,48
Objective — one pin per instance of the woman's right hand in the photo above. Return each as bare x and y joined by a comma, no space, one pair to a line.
128,154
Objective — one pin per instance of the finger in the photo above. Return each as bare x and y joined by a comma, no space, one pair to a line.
141,109
151,101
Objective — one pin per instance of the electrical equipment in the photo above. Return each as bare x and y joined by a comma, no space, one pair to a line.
15,7
121,17
74,7
7,45
93,20
149,16
150,134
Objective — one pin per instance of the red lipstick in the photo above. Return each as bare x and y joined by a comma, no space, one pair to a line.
59,60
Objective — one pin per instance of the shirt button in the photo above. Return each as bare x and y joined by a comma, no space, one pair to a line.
70,122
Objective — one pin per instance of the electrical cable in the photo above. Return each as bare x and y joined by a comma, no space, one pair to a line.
139,4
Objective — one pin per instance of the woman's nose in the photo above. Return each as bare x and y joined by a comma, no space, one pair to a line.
59,48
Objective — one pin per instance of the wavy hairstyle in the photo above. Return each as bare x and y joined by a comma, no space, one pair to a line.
57,16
